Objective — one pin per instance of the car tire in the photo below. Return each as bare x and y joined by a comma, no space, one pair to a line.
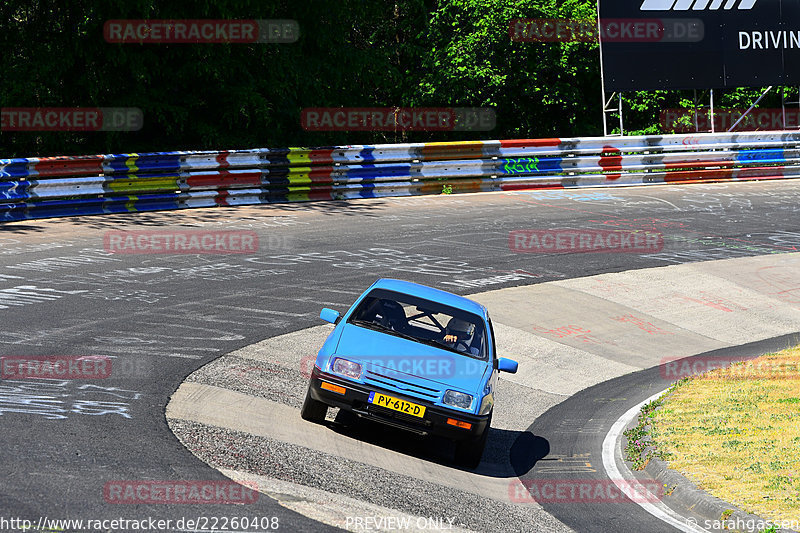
313,410
469,452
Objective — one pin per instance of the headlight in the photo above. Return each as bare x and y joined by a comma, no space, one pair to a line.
457,399
346,368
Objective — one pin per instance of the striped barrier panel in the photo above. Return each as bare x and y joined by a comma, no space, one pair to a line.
33,188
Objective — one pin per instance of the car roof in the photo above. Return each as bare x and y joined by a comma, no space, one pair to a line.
429,293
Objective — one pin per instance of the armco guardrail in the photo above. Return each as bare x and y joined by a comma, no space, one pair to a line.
83,185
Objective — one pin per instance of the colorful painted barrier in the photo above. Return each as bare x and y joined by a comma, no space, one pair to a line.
33,188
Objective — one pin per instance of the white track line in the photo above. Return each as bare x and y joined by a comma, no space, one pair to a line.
659,510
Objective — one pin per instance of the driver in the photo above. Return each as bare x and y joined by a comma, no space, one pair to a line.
458,332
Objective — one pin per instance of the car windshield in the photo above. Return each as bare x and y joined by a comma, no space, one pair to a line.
423,321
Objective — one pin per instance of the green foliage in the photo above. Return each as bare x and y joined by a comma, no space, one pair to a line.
639,444
537,89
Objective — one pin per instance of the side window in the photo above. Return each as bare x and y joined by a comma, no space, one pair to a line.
491,331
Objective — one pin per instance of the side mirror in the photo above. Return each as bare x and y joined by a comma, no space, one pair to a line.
506,365
329,315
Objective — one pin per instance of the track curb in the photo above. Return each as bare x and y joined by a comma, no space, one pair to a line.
687,494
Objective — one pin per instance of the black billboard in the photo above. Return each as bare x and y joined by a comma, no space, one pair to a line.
699,44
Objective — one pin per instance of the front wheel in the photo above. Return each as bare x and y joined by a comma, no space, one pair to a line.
313,410
469,452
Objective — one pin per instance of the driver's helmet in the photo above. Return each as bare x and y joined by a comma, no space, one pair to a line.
462,329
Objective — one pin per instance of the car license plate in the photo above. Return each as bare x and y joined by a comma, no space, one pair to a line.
396,404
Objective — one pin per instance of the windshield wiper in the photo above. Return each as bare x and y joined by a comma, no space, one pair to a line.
380,327
365,323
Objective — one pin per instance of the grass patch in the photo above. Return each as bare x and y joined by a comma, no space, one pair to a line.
735,432
640,447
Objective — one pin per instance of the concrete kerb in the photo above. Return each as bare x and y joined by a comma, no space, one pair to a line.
682,493
688,495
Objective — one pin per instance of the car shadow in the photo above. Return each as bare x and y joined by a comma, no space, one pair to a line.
508,453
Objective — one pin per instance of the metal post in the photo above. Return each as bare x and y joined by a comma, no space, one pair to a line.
712,111
783,106
602,73
785,100
768,89
621,129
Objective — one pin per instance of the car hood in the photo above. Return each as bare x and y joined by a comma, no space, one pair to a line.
410,361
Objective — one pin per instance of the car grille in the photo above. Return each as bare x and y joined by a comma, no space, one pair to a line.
388,382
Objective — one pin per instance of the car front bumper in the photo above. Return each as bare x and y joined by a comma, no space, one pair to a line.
356,400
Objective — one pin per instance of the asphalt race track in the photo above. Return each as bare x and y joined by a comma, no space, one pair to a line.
594,410
161,317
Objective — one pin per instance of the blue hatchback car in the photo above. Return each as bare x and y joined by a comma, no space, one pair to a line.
415,358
